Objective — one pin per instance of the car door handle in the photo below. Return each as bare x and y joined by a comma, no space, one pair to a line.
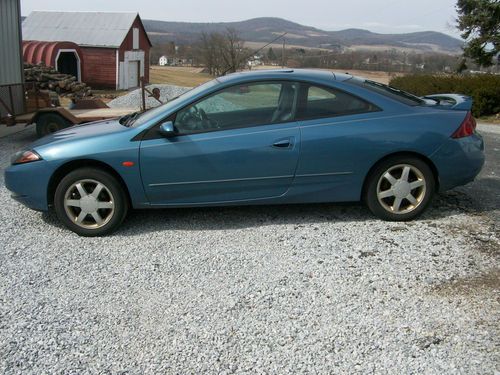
283,143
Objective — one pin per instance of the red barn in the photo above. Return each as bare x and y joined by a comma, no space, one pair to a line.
105,50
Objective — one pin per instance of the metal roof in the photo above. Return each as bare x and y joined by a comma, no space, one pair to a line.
99,29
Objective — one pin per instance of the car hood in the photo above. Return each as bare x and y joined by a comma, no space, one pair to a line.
81,132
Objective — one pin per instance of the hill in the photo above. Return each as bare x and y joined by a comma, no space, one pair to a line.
263,30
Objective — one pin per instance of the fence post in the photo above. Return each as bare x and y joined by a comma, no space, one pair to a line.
143,94
11,98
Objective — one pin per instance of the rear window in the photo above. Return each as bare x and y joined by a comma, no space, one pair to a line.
323,102
388,91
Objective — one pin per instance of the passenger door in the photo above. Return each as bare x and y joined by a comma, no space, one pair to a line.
334,127
239,144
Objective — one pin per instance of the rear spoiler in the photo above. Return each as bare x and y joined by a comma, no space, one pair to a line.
452,101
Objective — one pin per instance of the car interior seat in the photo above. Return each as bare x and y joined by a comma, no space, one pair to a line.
286,103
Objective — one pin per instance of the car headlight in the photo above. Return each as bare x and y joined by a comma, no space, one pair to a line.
23,157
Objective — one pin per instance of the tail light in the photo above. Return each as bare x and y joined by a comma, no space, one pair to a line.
466,128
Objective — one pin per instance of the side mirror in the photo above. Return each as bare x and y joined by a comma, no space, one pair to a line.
167,129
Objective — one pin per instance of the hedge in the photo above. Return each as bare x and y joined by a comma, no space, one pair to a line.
483,88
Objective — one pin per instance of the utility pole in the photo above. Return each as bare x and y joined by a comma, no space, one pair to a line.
283,54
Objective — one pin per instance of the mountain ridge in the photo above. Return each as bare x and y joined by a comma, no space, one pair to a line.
264,29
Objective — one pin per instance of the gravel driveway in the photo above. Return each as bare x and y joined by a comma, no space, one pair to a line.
303,289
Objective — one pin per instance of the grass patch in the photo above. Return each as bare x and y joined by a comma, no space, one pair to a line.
178,76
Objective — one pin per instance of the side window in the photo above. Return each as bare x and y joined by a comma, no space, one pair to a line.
240,106
315,93
321,102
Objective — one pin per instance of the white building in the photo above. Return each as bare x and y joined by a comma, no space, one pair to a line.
163,61
254,61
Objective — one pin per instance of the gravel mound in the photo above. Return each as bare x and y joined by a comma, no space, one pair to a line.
304,289
134,98
168,92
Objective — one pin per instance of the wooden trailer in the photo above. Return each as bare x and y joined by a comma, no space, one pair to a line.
42,107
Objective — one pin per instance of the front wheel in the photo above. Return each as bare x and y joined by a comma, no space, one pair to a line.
400,188
90,202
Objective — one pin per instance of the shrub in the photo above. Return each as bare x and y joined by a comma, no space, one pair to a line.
484,89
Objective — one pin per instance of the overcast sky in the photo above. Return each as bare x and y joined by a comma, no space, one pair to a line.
384,16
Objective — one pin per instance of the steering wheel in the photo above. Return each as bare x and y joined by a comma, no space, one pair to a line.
196,119
207,122
190,119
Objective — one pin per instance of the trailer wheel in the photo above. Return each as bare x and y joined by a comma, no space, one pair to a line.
49,123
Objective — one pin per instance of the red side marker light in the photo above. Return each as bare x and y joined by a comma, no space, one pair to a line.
128,163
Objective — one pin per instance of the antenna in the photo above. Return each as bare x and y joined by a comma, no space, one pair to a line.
253,53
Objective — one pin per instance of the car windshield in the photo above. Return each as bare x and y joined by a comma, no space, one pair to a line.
140,119
388,91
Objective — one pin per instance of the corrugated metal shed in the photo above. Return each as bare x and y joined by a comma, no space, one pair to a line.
11,63
97,29
35,52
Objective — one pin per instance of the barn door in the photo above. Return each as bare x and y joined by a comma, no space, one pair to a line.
133,74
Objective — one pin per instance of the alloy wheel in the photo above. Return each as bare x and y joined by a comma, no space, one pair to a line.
89,204
401,189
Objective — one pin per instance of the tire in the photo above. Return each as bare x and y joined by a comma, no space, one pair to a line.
90,202
400,188
48,123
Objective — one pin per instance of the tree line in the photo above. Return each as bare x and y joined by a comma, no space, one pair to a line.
478,20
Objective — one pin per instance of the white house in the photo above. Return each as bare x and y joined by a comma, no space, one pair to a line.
254,61
163,61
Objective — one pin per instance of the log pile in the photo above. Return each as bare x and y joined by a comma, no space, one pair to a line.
47,78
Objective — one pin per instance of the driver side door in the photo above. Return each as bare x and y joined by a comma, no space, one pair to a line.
239,144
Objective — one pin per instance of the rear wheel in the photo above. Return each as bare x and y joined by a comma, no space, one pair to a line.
48,123
90,202
400,188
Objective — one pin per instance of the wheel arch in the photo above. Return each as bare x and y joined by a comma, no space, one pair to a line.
72,165
422,157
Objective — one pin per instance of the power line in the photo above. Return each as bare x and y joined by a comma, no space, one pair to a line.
254,52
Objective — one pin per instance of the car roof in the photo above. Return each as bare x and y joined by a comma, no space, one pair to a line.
288,74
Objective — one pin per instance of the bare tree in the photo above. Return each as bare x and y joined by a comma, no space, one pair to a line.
222,52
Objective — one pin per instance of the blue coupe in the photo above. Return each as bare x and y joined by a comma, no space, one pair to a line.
265,137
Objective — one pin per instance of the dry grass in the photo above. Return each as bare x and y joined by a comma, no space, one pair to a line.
382,77
178,76
189,77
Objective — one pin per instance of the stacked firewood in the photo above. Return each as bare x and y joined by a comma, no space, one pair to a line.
47,78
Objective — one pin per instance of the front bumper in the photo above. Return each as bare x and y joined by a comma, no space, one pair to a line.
459,161
29,183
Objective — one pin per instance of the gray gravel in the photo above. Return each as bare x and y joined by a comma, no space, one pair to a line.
279,290
168,92
134,98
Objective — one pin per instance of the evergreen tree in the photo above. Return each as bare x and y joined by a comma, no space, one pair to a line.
271,56
479,21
